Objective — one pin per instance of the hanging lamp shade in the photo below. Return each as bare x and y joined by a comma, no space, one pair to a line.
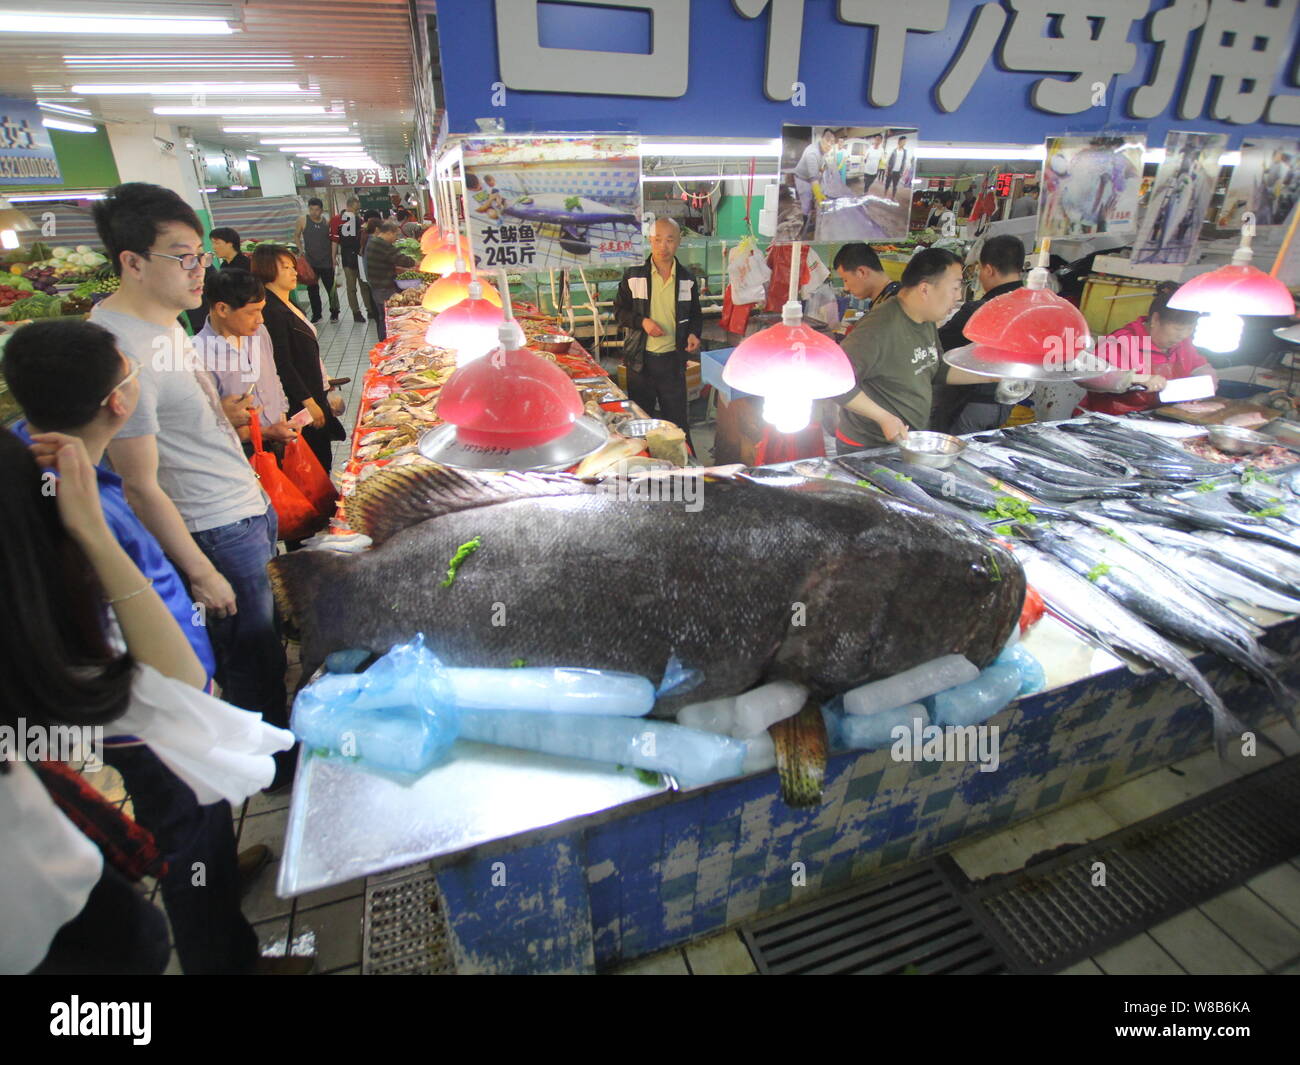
789,365
453,287
1028,334
431,239
1237,288
12,218
470,328
442,260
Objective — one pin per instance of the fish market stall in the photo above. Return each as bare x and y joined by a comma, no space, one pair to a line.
546,862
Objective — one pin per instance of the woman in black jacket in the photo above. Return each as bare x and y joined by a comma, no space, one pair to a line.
297,351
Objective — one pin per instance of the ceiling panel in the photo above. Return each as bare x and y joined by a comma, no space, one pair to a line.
356,52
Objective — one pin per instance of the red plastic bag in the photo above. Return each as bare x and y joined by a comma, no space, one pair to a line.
306,275
735,316
778,288
303,468
297,518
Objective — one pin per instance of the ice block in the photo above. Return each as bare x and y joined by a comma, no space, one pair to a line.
910,686
871,731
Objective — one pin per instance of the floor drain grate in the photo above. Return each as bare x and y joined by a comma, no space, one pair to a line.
912,921
1051,914
404,932
929,918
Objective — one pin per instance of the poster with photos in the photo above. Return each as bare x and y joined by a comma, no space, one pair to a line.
844,183
1090,185
1266,183
1180,198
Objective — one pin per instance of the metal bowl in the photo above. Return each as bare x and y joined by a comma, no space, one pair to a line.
1237,441
931,449
641,426
555,343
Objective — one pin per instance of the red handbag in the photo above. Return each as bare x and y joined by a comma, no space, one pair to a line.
303,468
296,516
306,275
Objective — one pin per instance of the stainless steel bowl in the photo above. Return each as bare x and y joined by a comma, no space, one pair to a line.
641,426
1237,441
555,343
931,449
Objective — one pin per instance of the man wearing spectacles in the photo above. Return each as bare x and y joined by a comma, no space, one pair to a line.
179,457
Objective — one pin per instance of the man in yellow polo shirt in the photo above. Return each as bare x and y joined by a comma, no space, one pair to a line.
658,304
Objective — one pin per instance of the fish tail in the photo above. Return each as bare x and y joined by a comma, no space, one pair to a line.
1284,695
800,743
287,574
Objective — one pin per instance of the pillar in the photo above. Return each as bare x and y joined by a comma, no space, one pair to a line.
140,157
276,174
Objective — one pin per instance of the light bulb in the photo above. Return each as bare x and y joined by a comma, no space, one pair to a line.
1219,333
8,239
788,412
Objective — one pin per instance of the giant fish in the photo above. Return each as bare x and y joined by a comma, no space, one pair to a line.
814,581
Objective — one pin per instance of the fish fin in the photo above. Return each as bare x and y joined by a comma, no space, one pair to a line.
800,743
400,497
286,574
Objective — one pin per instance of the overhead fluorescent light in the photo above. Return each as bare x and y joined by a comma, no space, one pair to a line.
254,158
987,152
305,166
194,88
68,127
238,188
249,109
32,22
215,160
285,129
1157,156
56,197
290,141
62,109
758,149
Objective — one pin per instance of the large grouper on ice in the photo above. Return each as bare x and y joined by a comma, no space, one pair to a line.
740,582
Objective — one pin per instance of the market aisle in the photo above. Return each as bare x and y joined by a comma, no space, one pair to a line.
345,347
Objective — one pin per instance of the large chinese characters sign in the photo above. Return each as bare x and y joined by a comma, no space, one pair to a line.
981,70
382,175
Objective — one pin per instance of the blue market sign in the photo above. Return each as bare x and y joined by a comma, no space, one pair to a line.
26,154
963,70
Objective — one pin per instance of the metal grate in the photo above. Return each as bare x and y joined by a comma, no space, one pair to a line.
929,918
910,922
1051,914
404,931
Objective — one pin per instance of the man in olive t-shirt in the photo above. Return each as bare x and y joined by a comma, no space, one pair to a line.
895,355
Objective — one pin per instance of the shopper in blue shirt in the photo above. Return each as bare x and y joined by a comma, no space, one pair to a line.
70,378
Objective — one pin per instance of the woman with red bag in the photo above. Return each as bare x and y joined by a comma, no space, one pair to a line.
296,351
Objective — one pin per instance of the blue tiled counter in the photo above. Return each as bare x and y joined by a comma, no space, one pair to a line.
596,891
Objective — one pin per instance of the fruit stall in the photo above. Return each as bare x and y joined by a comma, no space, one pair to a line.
52,282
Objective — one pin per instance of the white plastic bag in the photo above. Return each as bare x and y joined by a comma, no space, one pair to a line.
748,273
822,305
219,750
818,274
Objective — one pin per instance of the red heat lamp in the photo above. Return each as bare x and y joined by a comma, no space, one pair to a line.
442,260
1224,295
1030,334
789,365
471,327
513,410
432,239
449,290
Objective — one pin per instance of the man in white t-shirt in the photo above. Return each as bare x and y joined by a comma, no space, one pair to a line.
181,463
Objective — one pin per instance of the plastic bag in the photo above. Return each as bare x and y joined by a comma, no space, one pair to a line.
306,275
296,516
747,273
303,468
822,304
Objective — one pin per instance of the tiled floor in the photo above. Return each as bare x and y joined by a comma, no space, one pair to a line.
1254,928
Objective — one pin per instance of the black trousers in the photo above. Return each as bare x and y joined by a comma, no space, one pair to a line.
378,299
659,389
324,276
118,933
201,888
891,182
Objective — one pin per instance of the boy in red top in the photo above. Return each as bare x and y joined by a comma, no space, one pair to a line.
1151,352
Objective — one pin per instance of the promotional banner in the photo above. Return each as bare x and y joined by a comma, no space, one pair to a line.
1180,197
843,183
542,203
1090,185
400,174
1266,181
26,154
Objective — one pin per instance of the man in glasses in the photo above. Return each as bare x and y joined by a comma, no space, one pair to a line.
179,457
69,377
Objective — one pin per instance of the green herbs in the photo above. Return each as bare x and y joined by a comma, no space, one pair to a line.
1268,512
648,777
1250,475
1097,572
1112,533
901,477
1010,507
463,552
996,570
1003,530
518,663
1206,486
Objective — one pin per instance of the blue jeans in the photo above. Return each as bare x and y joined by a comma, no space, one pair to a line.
250,656
210,932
